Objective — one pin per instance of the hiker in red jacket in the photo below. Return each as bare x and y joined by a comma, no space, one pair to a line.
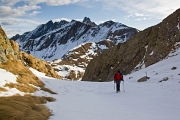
118,77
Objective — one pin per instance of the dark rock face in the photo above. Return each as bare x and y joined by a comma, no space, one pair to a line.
87,21
144,49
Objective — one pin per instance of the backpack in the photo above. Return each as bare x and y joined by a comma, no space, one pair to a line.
118,76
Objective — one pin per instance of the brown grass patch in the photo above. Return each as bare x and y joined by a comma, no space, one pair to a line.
38,64
48,90
25,76
3,89
24,108
22,87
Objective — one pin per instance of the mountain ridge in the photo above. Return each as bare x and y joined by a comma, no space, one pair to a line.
60,35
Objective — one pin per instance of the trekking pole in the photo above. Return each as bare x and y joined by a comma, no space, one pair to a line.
123,87
114,86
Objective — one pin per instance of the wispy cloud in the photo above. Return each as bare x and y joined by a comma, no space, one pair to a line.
34,13
17,21
136,16
66,19
10,2
59,19
140,19
154,8
5,22
10,32
20,25
8,11
61,2
151,8
139,15
131,6
137,10
48,2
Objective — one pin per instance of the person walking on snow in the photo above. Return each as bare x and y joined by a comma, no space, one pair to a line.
118,77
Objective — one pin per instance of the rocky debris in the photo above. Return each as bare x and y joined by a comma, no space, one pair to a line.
164,79
143,79
173,68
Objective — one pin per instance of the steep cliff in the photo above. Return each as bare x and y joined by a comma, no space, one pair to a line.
6,50
144,49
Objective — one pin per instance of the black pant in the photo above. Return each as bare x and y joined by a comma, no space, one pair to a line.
118,82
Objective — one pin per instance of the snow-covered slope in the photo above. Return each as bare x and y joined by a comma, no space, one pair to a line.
7,77
167,69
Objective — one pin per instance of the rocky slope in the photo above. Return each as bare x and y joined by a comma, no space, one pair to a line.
73,64
6,50
75,61
144,49
18,63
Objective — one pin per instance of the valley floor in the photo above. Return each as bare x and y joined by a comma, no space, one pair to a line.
77,100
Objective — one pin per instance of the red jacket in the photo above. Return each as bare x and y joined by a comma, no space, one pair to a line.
118,76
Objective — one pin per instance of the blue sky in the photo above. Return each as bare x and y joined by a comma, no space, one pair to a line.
19,16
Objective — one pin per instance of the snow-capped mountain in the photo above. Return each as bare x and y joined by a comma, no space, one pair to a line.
52,40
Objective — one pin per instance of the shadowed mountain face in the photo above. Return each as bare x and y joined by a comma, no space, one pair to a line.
144,49
52,40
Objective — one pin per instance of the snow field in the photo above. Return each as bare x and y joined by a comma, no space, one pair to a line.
151,100
99,101
7,77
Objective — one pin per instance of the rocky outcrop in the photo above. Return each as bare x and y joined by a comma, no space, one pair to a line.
87,21
6,50
144,49
79,56
76,60
40,65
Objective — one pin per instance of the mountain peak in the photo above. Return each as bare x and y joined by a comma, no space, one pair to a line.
87,21
49,22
